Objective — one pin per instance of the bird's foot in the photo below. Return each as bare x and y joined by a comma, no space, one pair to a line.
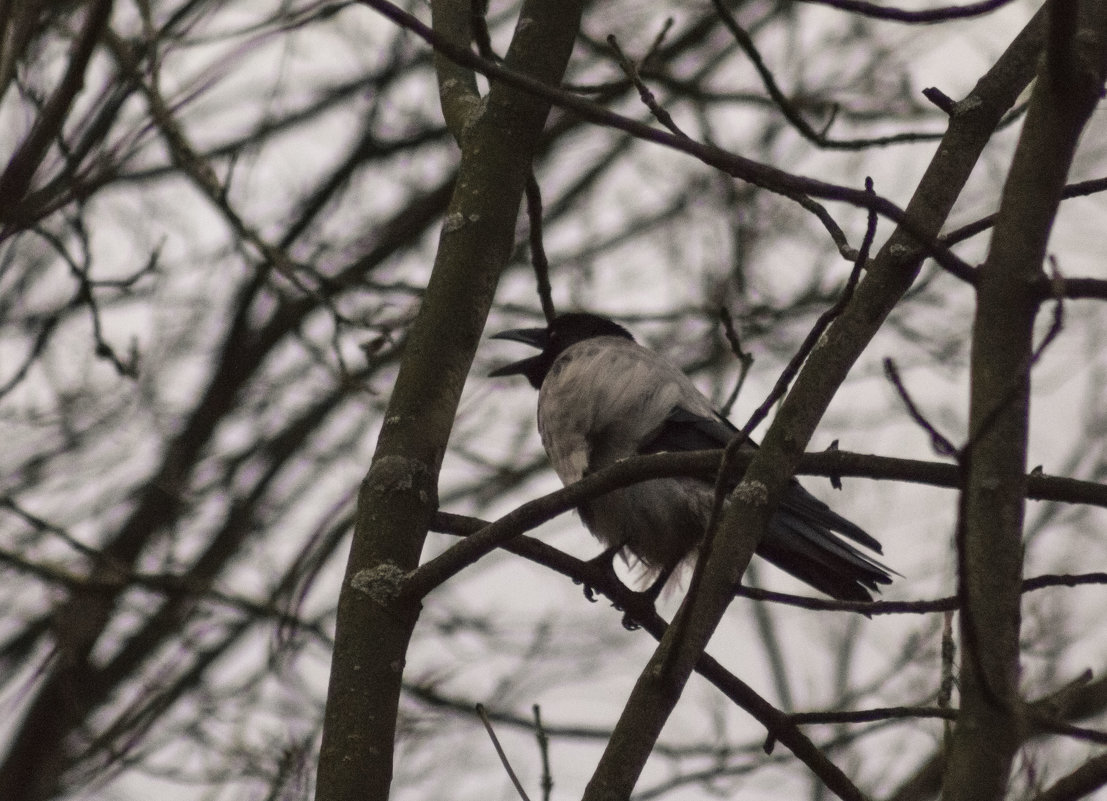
604,564
635,605
638,606
643,603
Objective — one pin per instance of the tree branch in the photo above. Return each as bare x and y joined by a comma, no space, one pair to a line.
398,496
990,554
660,684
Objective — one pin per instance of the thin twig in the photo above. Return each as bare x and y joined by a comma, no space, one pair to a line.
28,157
926,17
945,686
941,444
745,360
500,752
787,107
657,41
648,98
947,604
537,249
736,166
969,230
872,715
544,753
821,325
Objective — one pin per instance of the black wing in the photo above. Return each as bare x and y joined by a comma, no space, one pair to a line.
683,430
800,539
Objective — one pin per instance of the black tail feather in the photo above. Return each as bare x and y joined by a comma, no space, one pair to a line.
805,546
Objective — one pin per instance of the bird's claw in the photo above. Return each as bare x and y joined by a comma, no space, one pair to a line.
589,590
605,563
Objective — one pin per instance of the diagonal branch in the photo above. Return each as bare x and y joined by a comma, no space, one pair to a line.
990,548
657,691
17,176
754,172
399,494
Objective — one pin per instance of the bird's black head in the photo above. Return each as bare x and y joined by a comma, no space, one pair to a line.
565,330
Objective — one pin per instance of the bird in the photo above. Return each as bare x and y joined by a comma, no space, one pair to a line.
602,397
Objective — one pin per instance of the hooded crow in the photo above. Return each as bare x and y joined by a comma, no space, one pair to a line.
603,397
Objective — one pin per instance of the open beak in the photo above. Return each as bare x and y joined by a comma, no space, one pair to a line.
535,337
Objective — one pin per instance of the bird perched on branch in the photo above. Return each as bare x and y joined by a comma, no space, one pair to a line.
603,397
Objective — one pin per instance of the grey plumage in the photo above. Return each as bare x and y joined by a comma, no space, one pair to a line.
603,397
